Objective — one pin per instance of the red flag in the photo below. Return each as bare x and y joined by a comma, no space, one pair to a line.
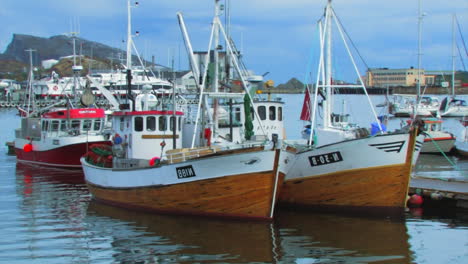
305,113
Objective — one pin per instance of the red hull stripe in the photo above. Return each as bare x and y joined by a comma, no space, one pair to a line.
439,139
77,113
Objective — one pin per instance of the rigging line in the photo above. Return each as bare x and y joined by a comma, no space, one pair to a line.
461,35
461,58
351,41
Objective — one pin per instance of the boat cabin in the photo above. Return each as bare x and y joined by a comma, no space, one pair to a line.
146,132
72,122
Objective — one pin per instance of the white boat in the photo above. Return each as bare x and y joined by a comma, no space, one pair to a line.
437,141
452,106
342,166
146,173
461,146
404,105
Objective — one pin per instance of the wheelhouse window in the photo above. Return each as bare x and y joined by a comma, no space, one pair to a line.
45,125
97,124
55,125
179,123
151,123
162,123
138,123
75,125
171,123
272,113
237,115
122,124
280,113
87,125
262,112
63,125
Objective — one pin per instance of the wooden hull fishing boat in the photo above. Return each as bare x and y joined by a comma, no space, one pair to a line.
367,174
231,183
343,166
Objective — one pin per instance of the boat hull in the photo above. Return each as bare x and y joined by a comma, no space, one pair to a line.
438,145
240,185
367,174
64,156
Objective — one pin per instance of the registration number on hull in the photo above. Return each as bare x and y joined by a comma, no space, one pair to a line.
185,172
326,158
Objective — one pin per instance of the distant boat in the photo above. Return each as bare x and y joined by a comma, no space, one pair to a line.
452,106
437,141
404,105
342,166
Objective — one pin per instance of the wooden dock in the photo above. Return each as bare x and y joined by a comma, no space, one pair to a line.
434,191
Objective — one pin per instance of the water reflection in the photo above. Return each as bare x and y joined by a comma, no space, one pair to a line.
53,219
184,239
329,238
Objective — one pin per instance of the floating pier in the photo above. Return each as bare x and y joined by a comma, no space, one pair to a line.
440,192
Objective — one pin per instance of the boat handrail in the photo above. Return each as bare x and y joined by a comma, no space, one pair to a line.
179,155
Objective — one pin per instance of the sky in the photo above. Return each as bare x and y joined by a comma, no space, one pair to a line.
276,37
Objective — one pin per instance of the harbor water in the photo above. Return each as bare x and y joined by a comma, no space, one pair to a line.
48,216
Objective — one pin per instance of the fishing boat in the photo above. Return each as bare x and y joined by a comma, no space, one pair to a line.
234,181
58,135
437,140
142,171
343,166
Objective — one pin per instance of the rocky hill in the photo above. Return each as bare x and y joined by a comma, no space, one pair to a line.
14,62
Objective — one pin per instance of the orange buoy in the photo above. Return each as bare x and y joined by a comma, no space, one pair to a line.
27,147
415,200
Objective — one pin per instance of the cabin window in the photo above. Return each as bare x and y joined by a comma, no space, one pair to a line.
171,123
151,123
122,124
63,125
138,124
262,112
45,125
280,113
252,113
272,113
162,123
97,124
179,123
237,115
87,125
75,125
55,125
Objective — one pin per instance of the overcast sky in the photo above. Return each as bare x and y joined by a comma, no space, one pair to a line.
276,36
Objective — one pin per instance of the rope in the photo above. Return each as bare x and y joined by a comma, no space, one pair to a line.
440,150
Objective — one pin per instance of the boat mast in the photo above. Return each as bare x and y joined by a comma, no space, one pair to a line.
215,84
30,80
418,83
453,55
328,70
